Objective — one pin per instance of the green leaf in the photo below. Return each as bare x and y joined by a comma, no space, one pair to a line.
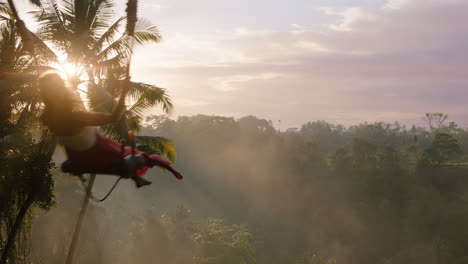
159,145
146,32
150,95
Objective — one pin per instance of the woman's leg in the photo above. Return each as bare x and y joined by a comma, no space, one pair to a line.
156,160
133,164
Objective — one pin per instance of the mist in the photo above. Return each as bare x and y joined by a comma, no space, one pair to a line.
325,193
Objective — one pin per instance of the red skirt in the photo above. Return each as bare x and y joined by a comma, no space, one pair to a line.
106,157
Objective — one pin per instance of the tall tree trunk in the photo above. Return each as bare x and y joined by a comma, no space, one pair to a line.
16,227
13,9
79,221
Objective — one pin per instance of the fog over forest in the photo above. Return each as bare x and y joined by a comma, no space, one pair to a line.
325,193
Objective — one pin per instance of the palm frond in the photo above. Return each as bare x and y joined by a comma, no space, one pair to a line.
157,145
19,134
4,18
108,35
100,99
120,47
7,141
4,8
34,44
47,143
44,51
128,122
140,107
104,68
36,2
146,32
152,95
99,14
9,48
54,24
25,118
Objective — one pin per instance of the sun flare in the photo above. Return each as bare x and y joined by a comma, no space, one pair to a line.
71,69
73,73
67,69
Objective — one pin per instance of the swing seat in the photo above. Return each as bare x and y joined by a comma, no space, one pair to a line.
116,169
125,168
109,157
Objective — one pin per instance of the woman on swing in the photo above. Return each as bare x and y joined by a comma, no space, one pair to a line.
87,149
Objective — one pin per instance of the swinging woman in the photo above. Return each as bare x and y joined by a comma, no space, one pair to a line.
87,149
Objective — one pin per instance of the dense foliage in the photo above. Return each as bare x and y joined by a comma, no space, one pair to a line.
91,43
322,194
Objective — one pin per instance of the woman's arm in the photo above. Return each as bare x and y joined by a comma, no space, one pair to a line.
16,76
100,119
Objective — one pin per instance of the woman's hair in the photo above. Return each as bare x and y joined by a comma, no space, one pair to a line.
56,93
59,100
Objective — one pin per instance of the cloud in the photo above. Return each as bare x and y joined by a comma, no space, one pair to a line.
396,4
230,83
394,62
348,17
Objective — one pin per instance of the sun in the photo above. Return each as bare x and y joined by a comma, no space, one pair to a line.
67,69
73,73
71,69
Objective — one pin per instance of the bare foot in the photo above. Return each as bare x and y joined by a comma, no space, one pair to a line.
140,181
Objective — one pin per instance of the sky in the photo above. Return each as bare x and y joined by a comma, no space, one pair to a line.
343,61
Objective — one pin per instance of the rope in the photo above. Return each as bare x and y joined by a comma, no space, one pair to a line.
132,18
95,199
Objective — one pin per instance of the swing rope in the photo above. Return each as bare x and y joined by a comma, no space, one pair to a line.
131,23
108,193
132,144
100,200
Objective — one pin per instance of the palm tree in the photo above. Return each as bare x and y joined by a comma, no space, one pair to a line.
24,163
82,32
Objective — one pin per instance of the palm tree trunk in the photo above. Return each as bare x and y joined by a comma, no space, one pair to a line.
13,9
16,227
79,221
